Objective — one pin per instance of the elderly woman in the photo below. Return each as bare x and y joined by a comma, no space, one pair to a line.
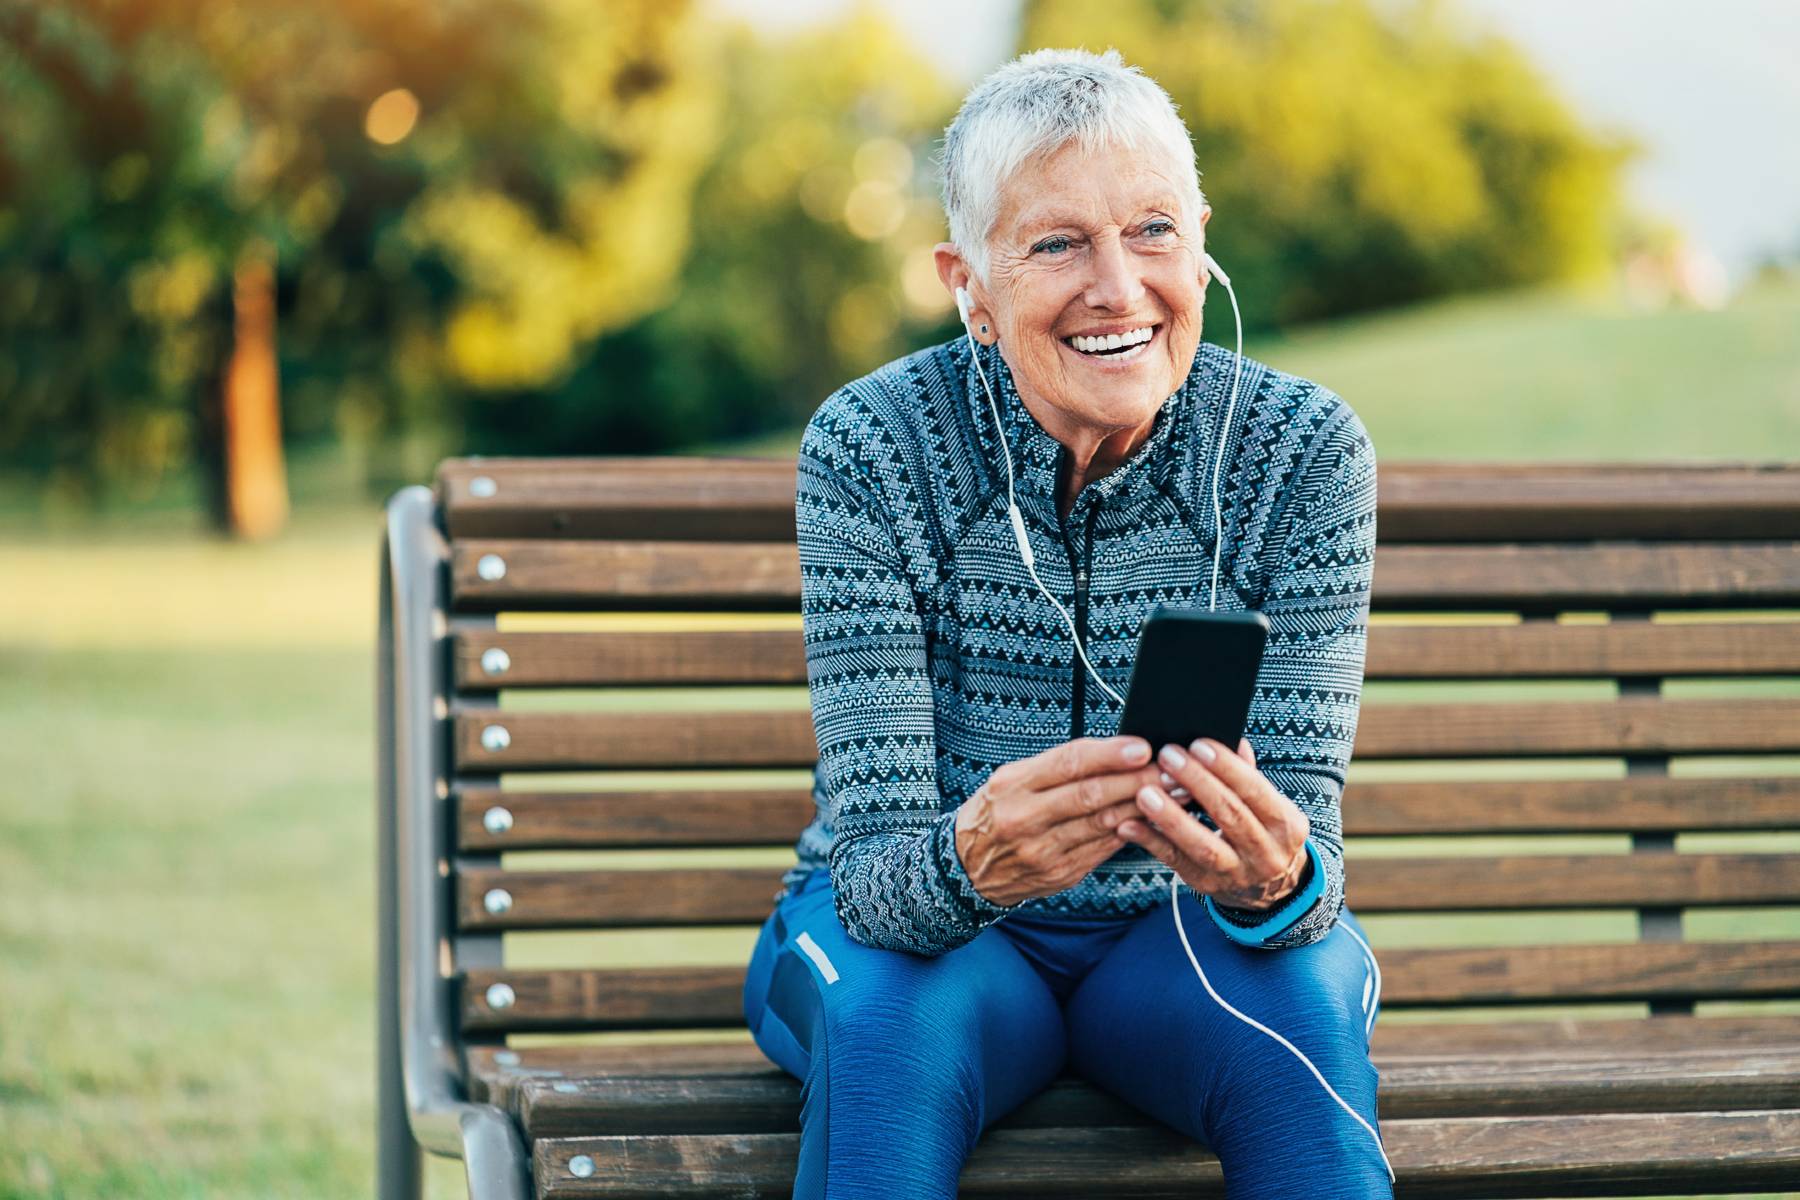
983,898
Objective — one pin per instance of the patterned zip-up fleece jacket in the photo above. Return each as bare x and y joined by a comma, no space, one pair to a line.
932,658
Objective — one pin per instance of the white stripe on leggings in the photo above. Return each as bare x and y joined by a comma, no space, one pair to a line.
816,952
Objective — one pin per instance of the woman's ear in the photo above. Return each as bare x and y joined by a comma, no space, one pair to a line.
1205,274
954,272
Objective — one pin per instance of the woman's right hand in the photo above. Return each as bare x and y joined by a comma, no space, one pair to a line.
1039,825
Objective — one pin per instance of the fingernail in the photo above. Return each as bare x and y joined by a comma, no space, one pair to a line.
1151,800
1207,753
1172,758
1135,751
1168,780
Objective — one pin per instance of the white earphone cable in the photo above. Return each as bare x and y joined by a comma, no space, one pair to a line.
1025,554
1018,522
1237,370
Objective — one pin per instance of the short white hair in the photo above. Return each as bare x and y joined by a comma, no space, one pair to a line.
1036,104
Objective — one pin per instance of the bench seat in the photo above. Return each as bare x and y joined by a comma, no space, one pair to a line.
1454,1069
1605,1154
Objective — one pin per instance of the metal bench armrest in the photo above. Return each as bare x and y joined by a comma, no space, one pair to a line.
416,1016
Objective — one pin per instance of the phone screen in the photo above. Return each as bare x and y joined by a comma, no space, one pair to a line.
1194,676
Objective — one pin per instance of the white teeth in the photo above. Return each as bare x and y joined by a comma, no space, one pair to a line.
1112,341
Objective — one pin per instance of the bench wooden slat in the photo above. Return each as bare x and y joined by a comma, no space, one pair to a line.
1642,803
768,657
776,657
1526,577
753,499
628,819
711,498
736,895
1467,502
625,574
700,739
496,1073
1590,1154
767,1100
712,997
784,738
1550,578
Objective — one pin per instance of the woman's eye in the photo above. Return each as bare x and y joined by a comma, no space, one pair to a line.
1053,245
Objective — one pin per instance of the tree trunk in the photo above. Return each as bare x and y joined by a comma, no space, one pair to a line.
255,475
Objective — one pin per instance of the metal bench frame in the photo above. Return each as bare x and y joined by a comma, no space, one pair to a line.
417,1035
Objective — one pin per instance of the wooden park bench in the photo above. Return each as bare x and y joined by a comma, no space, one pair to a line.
1647,1089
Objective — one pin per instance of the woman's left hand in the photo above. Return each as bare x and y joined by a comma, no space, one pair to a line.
1256,859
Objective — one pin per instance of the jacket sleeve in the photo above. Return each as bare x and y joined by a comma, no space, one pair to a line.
897,879
1309,689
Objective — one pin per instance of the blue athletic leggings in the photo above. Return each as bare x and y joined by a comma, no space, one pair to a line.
904,1060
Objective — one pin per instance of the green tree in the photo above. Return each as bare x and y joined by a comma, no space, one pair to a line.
460,196
1360,155
810,263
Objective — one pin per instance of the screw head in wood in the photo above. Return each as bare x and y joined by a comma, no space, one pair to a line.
496,661
482,487
491,567
497,901
500,995
494,738
581,1166
496,820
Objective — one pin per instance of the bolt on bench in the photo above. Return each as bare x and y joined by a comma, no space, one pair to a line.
1654,570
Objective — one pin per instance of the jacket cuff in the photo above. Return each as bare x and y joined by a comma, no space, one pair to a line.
1253,927
968,903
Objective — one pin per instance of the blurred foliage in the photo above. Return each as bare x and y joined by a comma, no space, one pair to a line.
811,259
555,226
1359,155
542,198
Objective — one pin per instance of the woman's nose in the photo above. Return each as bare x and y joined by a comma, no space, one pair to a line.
1116,285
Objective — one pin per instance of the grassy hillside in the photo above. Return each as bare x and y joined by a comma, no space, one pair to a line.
1545,375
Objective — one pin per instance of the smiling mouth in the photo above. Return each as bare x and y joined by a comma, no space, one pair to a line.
1118,348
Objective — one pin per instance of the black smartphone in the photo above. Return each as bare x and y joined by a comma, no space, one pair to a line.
1194,676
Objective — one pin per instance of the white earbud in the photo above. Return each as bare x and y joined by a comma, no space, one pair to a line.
1213,268
963,304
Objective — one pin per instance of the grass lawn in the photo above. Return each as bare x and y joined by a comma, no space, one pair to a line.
186,838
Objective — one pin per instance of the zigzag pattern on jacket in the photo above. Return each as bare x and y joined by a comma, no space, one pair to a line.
932,658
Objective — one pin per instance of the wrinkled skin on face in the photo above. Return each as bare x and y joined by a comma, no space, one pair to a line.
1086,244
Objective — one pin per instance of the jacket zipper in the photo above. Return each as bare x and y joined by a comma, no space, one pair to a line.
1078,708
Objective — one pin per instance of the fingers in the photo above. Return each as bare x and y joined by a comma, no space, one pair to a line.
1078,812
1243,827
1098,840
1184,833
1284,820
1077,759
1161,848
1250,785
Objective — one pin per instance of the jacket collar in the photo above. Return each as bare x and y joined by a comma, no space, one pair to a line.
1037,455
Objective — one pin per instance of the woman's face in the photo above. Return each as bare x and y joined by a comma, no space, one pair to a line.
1085,246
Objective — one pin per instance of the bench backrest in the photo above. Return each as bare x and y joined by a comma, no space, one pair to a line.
1622,594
